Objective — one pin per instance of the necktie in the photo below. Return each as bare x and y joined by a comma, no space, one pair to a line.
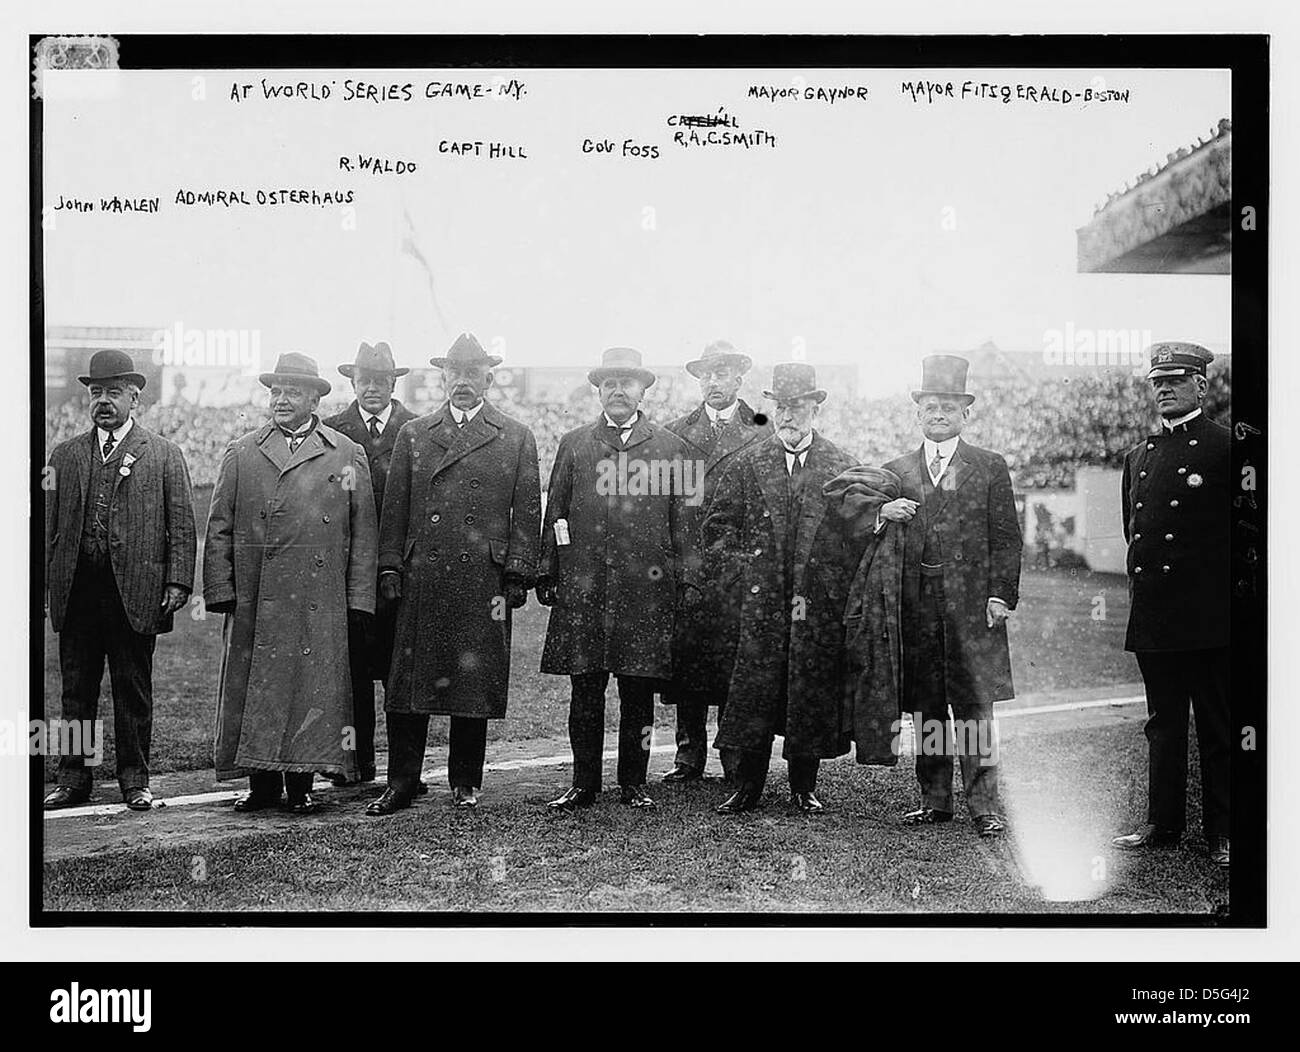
374,427
462,422
936,465
295,440
795,465
109,444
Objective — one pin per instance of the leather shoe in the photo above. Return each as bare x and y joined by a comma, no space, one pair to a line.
302,805
390,801
745,798
989,825
807,803
65,796
573,799
681,774
421,789
138,799
636,796
1219,851
254,802
464,796
926,816
1148,836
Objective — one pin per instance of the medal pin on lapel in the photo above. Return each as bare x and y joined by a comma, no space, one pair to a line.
1194,480
127,461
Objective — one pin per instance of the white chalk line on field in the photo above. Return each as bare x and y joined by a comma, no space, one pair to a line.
440,773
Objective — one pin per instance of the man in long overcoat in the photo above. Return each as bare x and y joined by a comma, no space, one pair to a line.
716,432
613,542
759,535
961,578
290,556
119,535
372,421
457,553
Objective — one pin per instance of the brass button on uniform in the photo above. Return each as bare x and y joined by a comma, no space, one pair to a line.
753,589
324,518
1192,442
1169,536
469,520
435,518
1137,536
1165,569
1142,474
1139,504
1151,445
464,557
1173,503
1182,471
1137,569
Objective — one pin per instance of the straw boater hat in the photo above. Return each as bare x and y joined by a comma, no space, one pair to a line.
1176,358
294,368
791,380
944,374
111,365
718,353
376,359
465,350
620,361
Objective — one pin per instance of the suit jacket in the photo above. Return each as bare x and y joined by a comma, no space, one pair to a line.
975,531
379,452
151,524
1177,499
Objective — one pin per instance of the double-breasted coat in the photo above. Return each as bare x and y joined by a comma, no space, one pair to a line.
974,532
617,579
462,510
1176,500
379,453
291,549
788,674
709,620
151,533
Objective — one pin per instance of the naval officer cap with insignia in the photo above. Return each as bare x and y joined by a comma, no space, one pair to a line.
1177,378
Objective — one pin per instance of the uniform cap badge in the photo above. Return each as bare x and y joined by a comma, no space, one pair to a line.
1194,480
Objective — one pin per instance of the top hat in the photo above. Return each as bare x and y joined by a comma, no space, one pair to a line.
465,351
112,365
717,353
294,368
620,361
1173,358
944,374
376,359
791,380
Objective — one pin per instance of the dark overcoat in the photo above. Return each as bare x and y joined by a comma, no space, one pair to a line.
291,548
617,579
975,533
1177,500
788,676
151,524
379,630
709,621
462,511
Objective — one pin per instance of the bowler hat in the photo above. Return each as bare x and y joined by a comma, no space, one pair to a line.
376,359
294,368
620,361
792,380
944,374
1176,358
465,351
111,365
718,353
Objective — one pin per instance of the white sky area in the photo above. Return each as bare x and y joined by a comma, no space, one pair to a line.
832,244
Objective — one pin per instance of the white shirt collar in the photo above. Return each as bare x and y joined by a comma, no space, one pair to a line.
724,415
305,427
946,449
460,414
382,417
1169,425
626,423
118,435
802,447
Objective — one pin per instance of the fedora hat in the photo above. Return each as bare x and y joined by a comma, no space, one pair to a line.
294,368
112,365
718,353
944,374
376,359
621,361
1178,358
791,380
465,350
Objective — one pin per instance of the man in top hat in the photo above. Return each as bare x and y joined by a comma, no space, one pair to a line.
290,559
119,562
759,531
612,548
457,553
716,432
1176,499
372,421
961,578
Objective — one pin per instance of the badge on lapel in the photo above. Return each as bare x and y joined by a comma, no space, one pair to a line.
127,461
1194,480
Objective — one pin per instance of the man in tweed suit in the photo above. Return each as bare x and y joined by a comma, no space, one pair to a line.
119,541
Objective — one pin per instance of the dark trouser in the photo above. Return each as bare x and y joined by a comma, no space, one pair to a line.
363,695
269,784
752,766
1172,679
973,738
407,735
692,739
96,627
636,703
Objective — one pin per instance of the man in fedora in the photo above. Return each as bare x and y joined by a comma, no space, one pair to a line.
119,562
372,421
961,578
1176,500
759,530
457,554
612,549
290,559
720,429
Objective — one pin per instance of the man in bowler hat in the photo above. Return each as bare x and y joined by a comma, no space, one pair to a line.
1176,499
120,548
372,421
961,579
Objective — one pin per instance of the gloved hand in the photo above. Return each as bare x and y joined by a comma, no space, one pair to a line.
390,586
